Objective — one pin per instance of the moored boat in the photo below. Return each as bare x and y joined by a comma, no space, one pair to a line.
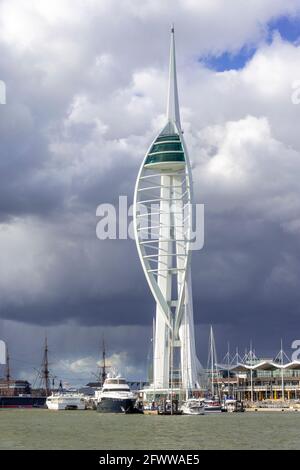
192,406
22,401
116,397
233,406
212,405
65,401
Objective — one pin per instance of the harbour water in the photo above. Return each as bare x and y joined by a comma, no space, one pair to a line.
44,429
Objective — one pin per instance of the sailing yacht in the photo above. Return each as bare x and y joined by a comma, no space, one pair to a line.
212,404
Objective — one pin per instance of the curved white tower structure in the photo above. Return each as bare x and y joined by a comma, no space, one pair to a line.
163,224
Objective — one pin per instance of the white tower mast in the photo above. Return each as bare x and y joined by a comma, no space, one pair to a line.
163,224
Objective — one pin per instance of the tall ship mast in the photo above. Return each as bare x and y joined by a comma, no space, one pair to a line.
163,224
45,370
103,367
17,393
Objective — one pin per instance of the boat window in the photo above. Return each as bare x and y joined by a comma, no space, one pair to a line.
115,390
115,381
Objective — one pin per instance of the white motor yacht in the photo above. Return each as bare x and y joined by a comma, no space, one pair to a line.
65,401
115,397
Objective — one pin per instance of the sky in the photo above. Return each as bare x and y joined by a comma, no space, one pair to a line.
86,85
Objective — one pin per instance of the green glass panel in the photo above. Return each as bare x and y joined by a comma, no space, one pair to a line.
167,137
165,157
162,146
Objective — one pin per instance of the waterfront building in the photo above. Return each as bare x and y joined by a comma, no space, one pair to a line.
13,387
264,379
256,379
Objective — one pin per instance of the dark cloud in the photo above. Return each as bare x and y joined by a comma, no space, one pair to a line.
86,95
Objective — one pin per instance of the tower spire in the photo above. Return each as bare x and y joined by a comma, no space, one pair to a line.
173,114
168,268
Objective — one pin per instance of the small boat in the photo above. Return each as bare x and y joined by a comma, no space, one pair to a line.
136,410
150,412
65,401
192,406
150,408
212,405
233,406
166,407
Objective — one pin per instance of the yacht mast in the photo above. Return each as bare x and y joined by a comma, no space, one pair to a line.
280,357
103,375
211,359
7,369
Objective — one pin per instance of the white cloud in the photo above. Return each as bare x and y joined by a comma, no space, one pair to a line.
90,79
249,170
117,364
209,25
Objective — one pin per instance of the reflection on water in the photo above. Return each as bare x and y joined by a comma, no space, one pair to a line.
43,429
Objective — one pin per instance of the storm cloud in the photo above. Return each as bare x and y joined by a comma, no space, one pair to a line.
86,89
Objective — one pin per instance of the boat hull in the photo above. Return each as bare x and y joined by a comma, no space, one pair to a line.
213,409
116,405
192,407
63,407
192,412
22,402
